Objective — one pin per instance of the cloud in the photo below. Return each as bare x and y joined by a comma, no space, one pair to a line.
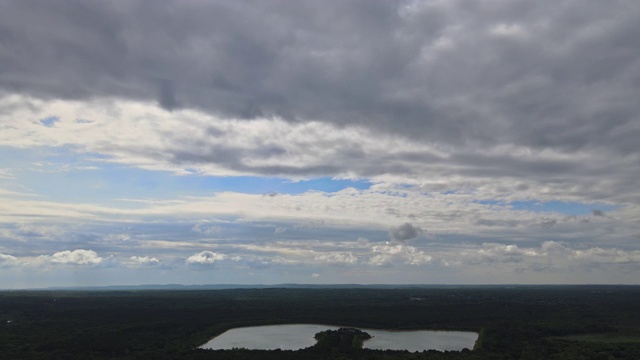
550,256
405,232
7,260
259,263
6,174
553,248
166,95
441,89
409,67
205,257
76,257
547,223
145,260
498,223
387,253
452,113
499,253
599,255
206,229
337,258
274,147
30,230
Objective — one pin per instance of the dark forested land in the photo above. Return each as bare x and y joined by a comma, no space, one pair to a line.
517,322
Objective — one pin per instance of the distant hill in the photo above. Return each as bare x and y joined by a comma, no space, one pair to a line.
178,287
245,286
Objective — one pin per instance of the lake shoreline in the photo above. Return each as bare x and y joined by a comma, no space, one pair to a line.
297,336
348,326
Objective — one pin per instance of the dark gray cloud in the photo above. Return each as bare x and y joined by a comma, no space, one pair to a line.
541,92
166,95
543,74
405,232
547,223
499,223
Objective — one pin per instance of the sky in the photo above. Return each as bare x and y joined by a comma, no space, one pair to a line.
319,142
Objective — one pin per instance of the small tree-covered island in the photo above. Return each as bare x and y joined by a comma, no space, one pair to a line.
342,340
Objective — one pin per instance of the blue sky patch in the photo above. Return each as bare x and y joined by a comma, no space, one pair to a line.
50,121
255,184
563,207
85,177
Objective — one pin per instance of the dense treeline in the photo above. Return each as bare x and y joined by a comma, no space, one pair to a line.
343,340
514,322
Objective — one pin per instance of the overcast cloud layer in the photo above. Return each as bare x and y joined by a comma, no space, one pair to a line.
497,137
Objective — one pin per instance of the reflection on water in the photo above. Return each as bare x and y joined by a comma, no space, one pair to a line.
285,337
420,340
300,336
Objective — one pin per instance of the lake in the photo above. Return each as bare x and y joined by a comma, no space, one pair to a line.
300,336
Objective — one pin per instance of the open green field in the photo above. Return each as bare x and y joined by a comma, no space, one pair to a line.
517,322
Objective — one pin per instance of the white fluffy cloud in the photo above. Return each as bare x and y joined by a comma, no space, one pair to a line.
388,253
205,257
7,260
144,260
76,257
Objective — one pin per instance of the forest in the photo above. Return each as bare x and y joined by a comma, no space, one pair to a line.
514,322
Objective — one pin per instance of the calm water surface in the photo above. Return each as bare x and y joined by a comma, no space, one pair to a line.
300,336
